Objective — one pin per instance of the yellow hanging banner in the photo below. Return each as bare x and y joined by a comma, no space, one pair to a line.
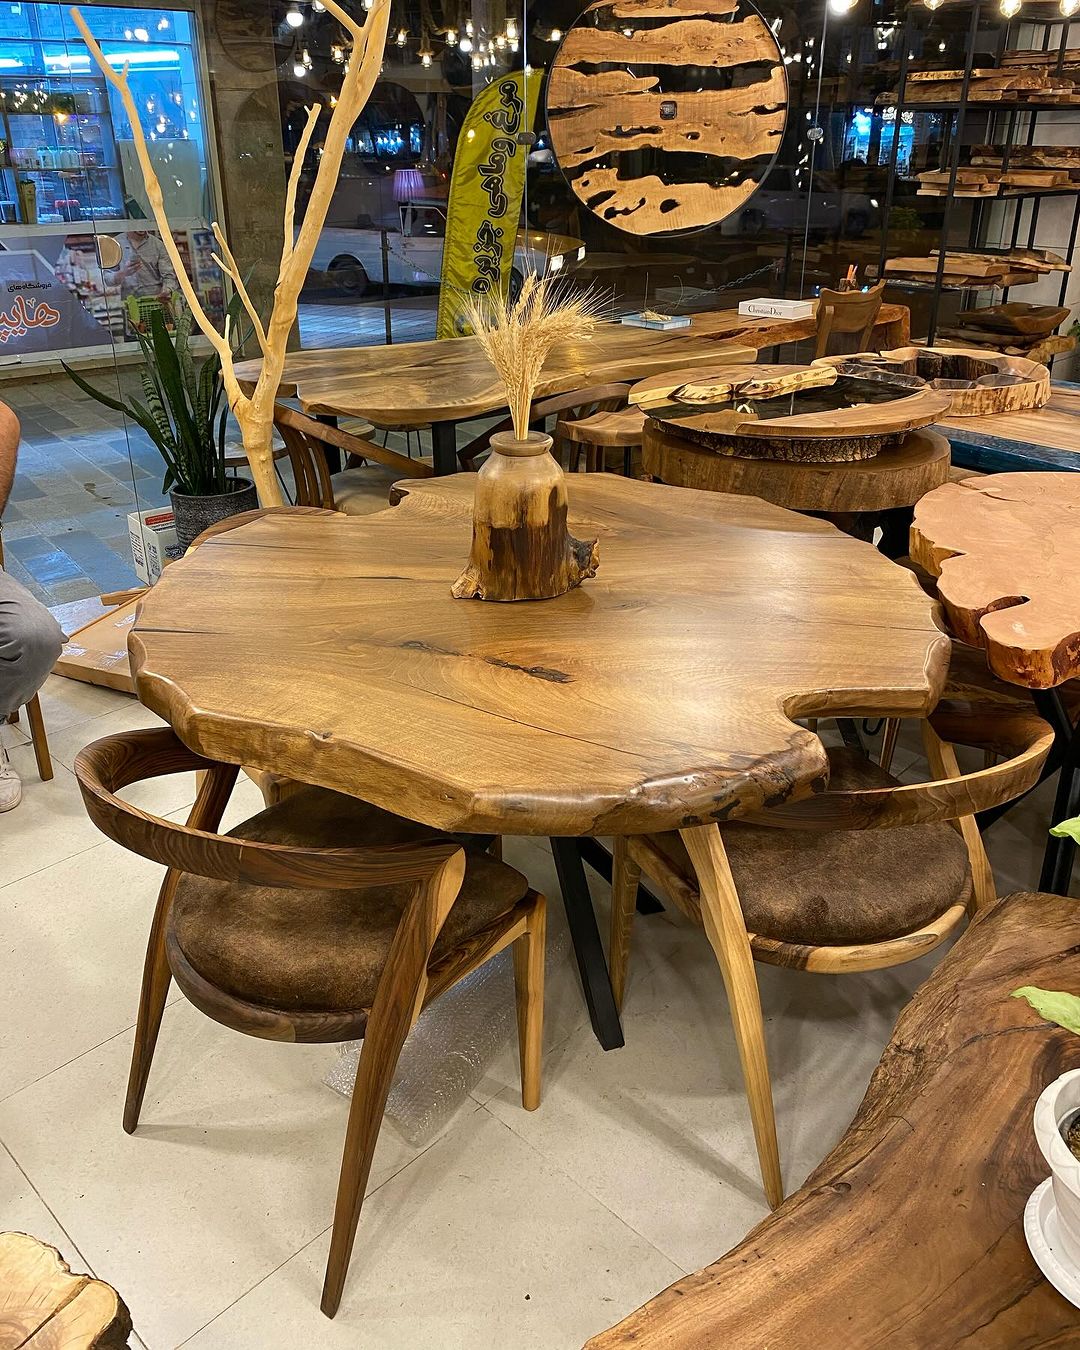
486,188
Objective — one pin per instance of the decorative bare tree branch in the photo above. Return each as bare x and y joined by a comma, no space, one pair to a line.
254,411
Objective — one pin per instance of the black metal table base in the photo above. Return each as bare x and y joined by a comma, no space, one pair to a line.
444,458
588,949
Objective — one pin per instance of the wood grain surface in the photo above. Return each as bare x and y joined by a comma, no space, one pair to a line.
657,696
43,1306
1005,549
898,476
412,384
1055,426
910,1234
642,147
728,428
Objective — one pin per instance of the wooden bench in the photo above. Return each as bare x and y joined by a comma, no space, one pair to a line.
910,1234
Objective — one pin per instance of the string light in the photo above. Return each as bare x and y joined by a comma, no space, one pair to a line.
425,58
402,37
1068,8
511,30
842,6
299,69
1010,8
294,17
465,45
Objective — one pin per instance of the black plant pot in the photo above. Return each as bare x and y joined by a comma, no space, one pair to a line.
192,515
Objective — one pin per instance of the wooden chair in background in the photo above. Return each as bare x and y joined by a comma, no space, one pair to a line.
847,312
868,874
34,719
588,420
320,919
356,490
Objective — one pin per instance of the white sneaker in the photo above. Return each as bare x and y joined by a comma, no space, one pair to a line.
10,783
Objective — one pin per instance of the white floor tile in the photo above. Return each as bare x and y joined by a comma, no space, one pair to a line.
23,1211
479,1243
233,1168
659,1131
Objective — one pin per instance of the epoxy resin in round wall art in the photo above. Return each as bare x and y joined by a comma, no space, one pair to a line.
665,115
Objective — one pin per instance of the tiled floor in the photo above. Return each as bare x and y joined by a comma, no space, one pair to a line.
507,1229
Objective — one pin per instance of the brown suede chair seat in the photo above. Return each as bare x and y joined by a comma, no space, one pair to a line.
321,951
839,887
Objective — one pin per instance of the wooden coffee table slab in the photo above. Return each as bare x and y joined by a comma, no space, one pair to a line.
658,694
1039,438
1006,551
897,476
910,1235
43,1306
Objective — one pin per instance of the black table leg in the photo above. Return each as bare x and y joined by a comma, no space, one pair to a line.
599,859
444,448
1059,855
896,531
595,980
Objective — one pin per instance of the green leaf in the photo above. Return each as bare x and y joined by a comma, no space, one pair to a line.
1054,1005
1067,829
101,397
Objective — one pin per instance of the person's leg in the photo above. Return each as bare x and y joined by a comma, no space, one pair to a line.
30,642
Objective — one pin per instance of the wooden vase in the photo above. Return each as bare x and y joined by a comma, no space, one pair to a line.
521,547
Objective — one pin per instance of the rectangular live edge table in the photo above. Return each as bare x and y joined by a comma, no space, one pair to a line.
437,384
1046,438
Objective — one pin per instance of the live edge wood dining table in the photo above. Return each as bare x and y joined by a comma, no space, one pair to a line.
660,695
440,383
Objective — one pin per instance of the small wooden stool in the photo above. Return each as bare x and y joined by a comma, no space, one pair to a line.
596,434
43,1306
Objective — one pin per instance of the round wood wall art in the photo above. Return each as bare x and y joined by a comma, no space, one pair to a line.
979,383
665,115
784,413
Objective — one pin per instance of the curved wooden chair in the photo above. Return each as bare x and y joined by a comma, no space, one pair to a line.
278,931
576,406
868,874
359,489
847,312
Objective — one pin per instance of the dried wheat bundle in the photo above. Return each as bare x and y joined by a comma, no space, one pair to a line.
517,335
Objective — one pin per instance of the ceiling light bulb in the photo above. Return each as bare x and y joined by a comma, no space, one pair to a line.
556,35
842,6
1068,8
469,27
1010,8
425,58
465,45
476,62
933,4
402,37
511,29
294,18
298,70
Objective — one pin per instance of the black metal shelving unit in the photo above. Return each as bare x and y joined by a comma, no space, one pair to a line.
1007,125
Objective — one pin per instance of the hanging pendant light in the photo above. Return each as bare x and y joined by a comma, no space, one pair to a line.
294,16
1010,8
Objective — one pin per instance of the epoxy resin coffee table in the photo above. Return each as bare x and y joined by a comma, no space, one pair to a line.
657,696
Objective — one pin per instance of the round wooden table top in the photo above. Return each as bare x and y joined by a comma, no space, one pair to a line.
848,409
1005,549
657,695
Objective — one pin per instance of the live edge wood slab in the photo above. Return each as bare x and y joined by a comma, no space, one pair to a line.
658,696
910,1234
415,384
43,1306
1005,549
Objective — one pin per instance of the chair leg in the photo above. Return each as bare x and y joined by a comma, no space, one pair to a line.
888,742
157,978
206,814
39,739
625,876
726,930
374,1075
529,953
